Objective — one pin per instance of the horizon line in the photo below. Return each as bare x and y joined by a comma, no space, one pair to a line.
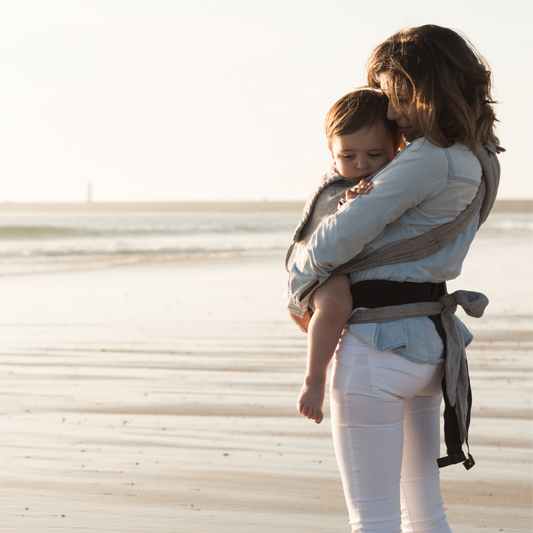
501,205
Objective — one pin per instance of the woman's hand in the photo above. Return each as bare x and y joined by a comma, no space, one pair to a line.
363,187
302,321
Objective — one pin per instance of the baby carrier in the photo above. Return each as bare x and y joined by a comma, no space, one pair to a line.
456,383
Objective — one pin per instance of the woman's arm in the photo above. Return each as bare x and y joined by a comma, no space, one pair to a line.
417,174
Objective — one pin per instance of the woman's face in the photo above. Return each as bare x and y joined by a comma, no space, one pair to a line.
407,118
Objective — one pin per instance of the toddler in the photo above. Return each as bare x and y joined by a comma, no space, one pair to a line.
361,141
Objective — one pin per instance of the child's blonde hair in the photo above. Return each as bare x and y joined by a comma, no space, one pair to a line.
358,110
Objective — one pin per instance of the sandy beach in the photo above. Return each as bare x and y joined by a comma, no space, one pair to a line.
160,397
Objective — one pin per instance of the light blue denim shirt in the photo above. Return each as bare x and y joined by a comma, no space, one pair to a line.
425,186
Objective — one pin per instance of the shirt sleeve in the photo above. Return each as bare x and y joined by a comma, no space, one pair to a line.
418,173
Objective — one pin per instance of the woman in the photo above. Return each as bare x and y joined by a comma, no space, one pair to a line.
386,385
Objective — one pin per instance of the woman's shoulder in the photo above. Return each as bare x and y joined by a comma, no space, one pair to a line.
420,161
426,145
423,149
456,161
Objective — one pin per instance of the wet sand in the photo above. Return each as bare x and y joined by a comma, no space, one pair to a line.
160,398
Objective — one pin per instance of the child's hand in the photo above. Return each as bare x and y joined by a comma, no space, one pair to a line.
363,187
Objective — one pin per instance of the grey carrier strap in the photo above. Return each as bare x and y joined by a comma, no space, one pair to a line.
456,384
427,244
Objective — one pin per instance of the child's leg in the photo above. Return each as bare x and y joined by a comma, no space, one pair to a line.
333,306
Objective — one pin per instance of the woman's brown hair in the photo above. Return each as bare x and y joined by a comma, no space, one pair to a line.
448,80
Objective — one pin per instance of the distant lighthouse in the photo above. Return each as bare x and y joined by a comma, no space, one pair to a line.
89,193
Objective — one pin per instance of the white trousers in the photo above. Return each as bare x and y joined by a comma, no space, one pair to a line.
385,418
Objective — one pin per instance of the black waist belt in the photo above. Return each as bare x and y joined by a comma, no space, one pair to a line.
383,293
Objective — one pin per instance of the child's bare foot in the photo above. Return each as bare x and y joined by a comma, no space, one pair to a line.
311,400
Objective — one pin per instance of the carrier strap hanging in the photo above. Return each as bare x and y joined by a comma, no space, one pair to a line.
452,436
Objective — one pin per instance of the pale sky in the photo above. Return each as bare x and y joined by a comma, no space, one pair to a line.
161,100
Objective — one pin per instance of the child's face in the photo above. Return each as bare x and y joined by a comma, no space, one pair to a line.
360,154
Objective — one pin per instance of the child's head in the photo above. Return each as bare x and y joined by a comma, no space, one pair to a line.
360,137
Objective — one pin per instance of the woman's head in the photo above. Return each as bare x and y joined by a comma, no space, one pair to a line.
435,78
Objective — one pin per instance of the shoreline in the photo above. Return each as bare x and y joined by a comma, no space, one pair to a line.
501,206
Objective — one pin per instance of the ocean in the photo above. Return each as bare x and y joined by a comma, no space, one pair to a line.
39,242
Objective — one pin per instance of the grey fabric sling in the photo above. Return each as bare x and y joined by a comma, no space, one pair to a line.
456,370
432,241
474,303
